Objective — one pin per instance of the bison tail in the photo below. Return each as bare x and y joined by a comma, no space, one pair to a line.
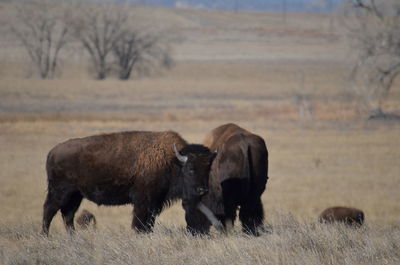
246,173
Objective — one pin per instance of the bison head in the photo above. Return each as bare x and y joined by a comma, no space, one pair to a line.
196,163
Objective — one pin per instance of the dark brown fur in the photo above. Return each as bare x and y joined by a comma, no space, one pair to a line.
349,216
86,219
238,177
138,168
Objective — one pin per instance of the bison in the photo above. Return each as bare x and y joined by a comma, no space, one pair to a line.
144,169
346,215
238,178
86,219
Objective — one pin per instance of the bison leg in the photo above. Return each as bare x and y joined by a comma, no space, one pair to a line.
230,208
251,215
232,193
230,215
144,218
69,206
50,209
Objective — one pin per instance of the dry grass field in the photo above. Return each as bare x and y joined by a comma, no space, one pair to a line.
286,83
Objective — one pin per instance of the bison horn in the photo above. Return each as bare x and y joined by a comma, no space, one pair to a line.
210,215
180,157
214,155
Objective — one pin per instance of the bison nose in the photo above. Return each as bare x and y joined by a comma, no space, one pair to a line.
202,190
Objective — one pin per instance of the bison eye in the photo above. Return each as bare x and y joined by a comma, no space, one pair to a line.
202,190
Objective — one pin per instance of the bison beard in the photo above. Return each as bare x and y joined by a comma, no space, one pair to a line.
140,168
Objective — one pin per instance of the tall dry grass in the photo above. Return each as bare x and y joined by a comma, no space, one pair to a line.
289,242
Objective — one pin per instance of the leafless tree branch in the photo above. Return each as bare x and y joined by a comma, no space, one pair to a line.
40,27
375,36
369,7
141,52
99,27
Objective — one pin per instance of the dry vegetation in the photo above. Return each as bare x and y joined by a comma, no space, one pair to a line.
290,242
286,84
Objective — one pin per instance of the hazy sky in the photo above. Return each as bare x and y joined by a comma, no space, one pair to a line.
295,5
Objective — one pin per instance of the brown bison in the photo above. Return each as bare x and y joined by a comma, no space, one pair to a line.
86,219
238,178
140,168
349,216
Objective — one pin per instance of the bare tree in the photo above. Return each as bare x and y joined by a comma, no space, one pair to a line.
99,27
39,26
141,52
374,29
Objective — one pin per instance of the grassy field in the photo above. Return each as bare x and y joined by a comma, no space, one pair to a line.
290,242
286,84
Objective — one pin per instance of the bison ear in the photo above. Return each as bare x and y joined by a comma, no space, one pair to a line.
183,159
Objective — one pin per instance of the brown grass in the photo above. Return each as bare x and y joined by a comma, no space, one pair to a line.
287,85
290,242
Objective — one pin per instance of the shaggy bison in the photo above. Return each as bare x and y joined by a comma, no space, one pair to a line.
86,219
140,168
349,216
238,178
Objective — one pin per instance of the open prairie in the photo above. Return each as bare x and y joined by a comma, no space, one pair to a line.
285,81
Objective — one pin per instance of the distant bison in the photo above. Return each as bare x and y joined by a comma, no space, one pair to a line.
349,216
86,219
140,168
238,178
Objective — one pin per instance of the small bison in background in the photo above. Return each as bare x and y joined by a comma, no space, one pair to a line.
238,178
86,219
349,216
144,169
